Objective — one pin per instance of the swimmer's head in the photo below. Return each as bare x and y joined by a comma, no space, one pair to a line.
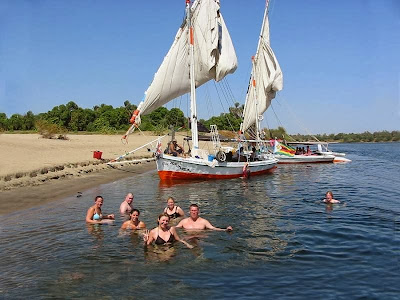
98,200
163,219
194,210
171,202
135,214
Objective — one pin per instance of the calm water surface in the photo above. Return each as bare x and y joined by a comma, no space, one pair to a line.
286,243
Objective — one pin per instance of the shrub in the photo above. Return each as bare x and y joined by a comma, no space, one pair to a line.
48,130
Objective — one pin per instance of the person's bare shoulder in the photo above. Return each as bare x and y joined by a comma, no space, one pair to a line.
182,222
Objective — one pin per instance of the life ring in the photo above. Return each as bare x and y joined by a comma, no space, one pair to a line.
221,156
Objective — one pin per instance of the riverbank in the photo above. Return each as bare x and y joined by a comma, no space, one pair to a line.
35,171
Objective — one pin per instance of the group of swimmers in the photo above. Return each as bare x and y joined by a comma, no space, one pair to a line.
163,233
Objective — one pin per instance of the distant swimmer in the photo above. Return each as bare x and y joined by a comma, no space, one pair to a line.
127,205
329,198
172,210
94,214
134,222
194,222
163,234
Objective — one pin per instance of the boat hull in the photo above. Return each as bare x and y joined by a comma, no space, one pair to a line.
305,159
171,167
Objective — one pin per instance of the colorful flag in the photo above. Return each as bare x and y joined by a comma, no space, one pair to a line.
283,149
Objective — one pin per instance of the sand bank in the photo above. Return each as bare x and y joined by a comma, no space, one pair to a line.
35,170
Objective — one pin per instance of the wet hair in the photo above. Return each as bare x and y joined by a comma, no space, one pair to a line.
162,215
97,197
172,198
193,205
133,210
329,192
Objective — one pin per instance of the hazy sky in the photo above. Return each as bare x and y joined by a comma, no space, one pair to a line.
340,59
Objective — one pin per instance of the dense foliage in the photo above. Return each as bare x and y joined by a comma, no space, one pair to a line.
380,136
103,118
107,119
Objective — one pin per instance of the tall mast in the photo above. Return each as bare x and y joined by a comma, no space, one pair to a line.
193,108
258,117
253,84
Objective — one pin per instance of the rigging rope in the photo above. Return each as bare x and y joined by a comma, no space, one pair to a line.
297,120
219,98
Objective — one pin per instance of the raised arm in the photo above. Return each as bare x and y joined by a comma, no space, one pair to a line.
148,237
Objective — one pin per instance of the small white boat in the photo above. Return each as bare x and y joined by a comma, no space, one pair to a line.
306,155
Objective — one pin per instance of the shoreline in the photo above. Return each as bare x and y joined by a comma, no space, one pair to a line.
30,196
35,171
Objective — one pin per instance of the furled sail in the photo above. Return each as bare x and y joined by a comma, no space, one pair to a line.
214,57
266,79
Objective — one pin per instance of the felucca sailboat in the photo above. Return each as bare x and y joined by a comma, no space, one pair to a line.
202,51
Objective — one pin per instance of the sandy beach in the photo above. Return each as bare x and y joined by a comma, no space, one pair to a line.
36,170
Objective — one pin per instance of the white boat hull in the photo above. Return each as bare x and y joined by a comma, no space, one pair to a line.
304,159
341,159
172,167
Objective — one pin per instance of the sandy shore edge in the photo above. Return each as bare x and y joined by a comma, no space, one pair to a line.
35,171
56,186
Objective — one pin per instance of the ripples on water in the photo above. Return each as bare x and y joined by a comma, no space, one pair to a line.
285,243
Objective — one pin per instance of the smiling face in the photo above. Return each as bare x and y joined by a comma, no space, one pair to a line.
134,216
163,221
171,203
99,202
129,198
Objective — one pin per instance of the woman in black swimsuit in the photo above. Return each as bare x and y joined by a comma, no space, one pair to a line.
163,234
172,210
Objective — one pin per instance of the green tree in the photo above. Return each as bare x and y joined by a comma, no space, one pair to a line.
4,122
175,117
81,118
15,122
28,121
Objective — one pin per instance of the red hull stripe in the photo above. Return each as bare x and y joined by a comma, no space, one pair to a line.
165,175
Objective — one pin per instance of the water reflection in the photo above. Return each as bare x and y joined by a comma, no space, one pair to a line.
96,231
162,253
282,236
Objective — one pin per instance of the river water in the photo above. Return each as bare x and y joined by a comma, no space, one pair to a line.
286,243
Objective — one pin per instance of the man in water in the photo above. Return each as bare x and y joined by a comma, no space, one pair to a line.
127,205
194,222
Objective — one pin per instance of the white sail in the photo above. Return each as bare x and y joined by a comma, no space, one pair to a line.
268,78
214,57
